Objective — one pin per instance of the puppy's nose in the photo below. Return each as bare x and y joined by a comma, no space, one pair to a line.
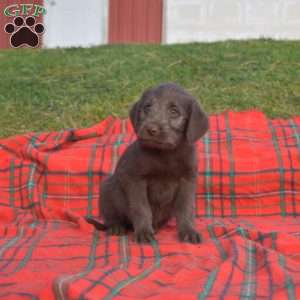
152,130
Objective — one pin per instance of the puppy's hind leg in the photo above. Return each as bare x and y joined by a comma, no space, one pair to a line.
113,207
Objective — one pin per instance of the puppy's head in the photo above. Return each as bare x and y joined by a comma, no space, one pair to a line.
166,115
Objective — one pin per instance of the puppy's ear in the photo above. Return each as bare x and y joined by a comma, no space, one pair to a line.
197,124
134,116
134,113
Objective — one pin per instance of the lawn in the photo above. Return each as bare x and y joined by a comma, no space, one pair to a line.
43,90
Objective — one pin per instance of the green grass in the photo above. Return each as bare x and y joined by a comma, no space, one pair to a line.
43,90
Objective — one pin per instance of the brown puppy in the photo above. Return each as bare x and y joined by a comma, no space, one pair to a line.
155,179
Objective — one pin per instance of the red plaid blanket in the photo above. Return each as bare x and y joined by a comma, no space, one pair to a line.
248,207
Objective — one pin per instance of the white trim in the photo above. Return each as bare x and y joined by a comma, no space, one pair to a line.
164,32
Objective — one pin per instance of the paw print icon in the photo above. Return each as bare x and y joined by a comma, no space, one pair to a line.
24,32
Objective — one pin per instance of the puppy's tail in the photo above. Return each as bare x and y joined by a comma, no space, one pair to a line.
98,225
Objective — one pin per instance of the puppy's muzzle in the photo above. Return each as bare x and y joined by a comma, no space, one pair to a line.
152,130
152,135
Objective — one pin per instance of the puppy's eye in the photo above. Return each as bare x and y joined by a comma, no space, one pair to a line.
147,108
174,112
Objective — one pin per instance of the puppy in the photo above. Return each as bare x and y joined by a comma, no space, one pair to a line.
155,179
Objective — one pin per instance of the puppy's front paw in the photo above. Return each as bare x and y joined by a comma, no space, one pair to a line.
144,236
189,235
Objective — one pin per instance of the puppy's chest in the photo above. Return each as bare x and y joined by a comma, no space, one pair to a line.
168,169
162,191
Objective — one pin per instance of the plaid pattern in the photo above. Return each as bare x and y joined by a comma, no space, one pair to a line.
248,202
